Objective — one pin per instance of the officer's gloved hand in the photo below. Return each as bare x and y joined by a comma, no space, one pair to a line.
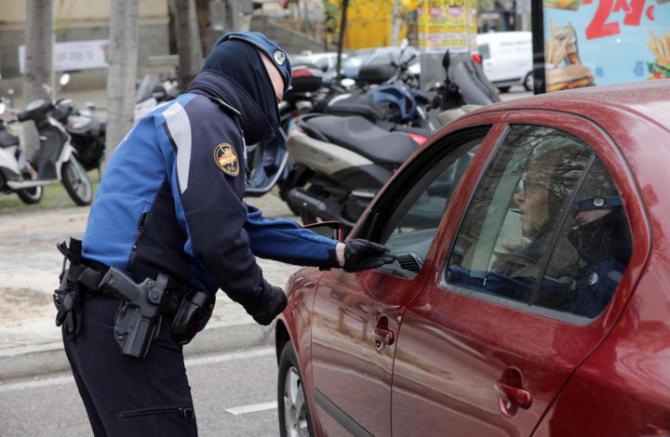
270,306
362,254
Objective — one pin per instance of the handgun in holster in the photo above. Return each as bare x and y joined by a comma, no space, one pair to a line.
138,318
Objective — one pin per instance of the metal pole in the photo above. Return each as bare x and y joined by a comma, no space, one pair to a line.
343,28
468,11
395,24
537,25
308,29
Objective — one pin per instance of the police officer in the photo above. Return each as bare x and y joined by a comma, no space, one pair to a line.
169,212
601,236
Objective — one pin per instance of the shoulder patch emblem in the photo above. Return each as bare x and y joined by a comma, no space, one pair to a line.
279,56
226,158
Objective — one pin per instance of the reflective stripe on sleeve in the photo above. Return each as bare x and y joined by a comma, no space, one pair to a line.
179,127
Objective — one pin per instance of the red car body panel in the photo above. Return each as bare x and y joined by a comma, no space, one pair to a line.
607,377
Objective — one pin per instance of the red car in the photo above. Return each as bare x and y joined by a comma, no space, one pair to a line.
531,295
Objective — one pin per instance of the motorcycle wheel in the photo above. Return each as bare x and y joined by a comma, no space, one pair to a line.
76,182
30,196
528,81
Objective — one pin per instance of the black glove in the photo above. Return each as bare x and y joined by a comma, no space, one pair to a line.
362,254
271,305
68,301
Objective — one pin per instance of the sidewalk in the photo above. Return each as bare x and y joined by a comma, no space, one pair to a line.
30,343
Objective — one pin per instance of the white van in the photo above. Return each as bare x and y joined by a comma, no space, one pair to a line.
507,58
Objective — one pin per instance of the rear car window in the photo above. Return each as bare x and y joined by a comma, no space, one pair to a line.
522,239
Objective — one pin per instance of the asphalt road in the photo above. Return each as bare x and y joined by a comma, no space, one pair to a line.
234,395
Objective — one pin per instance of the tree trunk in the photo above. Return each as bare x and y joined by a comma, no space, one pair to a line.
188,41
122,57
39,49
38,61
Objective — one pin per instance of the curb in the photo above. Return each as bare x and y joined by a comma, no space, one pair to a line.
50,358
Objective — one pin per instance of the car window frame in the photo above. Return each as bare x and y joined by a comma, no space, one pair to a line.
401,184
640,249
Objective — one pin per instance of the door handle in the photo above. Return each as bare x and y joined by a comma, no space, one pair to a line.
514,395
383,335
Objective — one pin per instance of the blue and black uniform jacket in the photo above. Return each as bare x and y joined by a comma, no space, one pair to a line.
171,199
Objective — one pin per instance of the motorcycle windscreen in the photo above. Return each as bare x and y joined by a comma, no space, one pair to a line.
473,84
266,163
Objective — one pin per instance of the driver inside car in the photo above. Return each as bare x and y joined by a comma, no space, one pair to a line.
540,196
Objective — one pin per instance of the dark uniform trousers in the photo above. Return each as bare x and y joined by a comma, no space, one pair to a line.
126,396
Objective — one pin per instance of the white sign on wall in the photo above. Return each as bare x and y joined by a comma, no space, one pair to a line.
74,55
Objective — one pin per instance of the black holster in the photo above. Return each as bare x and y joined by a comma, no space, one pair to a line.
68,296
192,311
138,319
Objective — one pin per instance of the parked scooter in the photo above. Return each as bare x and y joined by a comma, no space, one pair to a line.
87,133
153,91
54,159
341,162
390,106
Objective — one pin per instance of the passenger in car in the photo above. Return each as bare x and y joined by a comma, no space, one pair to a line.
602,240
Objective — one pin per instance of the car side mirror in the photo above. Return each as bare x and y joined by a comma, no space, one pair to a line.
331,229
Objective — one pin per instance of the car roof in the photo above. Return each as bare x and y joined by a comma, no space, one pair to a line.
607,105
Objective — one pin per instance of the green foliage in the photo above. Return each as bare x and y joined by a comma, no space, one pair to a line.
331,12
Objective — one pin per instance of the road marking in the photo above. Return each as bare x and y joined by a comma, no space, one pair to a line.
253,408
191,362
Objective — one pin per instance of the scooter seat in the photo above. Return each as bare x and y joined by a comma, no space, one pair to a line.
361,136
7,139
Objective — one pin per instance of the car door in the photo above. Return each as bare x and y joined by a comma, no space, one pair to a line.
486,347
356,315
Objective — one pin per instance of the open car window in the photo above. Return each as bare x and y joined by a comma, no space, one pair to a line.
408,215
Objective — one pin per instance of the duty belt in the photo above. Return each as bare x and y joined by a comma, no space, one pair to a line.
142,305
91,278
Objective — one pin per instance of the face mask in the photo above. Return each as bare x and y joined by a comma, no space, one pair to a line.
606,238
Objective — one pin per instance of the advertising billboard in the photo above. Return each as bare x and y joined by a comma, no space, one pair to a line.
602,42
447,24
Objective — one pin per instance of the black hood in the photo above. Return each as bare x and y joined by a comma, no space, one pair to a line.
234,72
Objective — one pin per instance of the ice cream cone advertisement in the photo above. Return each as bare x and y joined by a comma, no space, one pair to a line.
603,42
